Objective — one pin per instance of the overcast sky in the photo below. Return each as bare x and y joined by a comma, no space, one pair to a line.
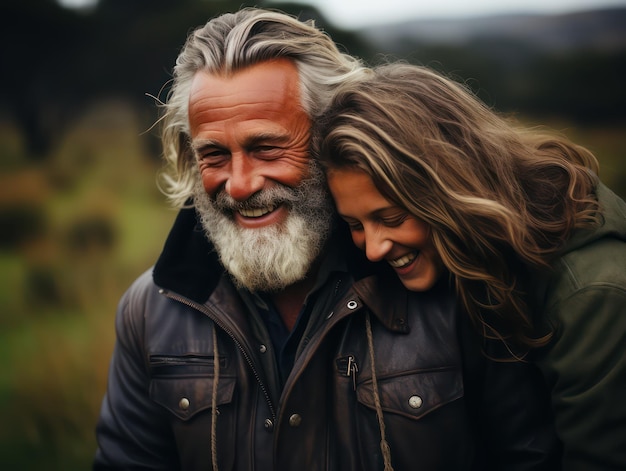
359,13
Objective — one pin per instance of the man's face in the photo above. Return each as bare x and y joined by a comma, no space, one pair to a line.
262,202
249,132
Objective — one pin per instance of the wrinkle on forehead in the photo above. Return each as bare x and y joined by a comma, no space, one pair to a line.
280,79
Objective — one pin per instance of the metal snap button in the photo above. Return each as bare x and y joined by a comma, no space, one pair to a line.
184,403
415,402
295,420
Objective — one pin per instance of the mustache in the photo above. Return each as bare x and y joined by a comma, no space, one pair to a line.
274,196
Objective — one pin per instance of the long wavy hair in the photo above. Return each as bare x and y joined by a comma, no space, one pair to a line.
234,41
499,199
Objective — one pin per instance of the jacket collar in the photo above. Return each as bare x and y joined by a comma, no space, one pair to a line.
388,299
612,222
188,264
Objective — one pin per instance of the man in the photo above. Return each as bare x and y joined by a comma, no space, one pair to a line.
260,340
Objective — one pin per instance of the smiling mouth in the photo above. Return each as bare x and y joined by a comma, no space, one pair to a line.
403,261
256,212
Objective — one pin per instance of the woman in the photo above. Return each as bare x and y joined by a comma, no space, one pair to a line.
431,181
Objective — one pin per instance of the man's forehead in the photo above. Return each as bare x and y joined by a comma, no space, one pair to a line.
263,95
275,79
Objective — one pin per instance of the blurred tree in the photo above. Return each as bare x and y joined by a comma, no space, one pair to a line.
587,86
60,60
38,43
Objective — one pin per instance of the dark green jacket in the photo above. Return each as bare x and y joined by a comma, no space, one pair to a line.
584,300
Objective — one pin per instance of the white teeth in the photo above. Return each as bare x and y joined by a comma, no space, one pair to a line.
403,261
256,212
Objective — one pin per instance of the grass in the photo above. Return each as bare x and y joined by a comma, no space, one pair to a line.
58,297
608,143
57,376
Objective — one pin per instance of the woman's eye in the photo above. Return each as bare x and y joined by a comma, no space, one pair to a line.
394,221
354,226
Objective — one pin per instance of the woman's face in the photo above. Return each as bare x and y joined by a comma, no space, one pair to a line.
384,230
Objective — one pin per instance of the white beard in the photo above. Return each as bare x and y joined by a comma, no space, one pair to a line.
273,257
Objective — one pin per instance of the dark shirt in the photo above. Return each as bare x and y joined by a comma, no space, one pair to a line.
270,331
285,343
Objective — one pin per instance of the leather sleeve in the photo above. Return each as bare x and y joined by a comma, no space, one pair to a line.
132,431
509,409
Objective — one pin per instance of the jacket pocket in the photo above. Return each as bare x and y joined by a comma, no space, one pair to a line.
413,394
184,385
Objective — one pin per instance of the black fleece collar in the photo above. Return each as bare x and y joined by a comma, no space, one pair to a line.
190,266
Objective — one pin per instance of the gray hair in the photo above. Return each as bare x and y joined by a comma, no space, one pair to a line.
234,41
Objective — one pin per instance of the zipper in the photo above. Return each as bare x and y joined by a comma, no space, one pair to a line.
204,310
347,366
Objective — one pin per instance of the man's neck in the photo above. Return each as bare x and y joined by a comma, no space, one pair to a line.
289,301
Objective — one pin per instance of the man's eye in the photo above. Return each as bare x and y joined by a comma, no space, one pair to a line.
267,151
214,153
213,156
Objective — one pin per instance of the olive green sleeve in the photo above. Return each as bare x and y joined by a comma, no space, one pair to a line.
585,367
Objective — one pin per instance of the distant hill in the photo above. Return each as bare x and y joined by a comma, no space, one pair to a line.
596,29
571,66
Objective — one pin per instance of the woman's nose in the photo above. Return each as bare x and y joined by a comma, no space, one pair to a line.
377,246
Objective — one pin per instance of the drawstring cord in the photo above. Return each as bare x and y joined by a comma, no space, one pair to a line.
384,446
214,411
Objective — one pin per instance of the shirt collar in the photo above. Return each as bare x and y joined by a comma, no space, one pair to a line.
332,261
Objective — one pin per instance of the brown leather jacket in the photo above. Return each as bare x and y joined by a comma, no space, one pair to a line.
443,406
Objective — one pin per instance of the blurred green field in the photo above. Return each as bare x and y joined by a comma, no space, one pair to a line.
78,228
91,220
608,143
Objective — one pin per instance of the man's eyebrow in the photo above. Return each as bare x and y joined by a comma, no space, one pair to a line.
200,145
266,137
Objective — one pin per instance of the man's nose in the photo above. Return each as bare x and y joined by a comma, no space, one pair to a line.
377,246
244,179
